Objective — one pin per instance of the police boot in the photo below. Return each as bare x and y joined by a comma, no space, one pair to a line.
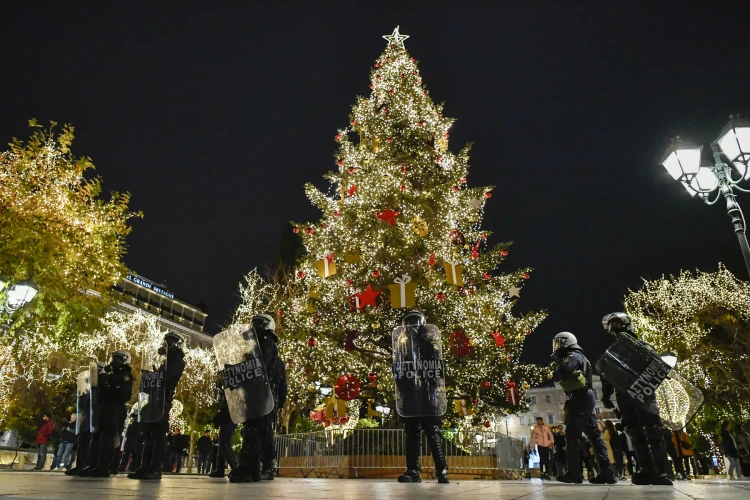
606,476
220,466
413,467
645,473
570,478
435,441
661,467
87,471
269,471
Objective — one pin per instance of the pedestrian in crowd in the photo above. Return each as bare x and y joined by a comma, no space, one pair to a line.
180,444
543,439
131,453
573,371
678,472
743,448
526,462
615,444
627,449
560,455
606,437
684,446
64,449
42,440
213,456
204,446
587,457
729,447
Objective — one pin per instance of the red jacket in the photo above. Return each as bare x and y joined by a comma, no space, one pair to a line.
45,432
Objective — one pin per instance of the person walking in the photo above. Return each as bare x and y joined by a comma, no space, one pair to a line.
178,448
743,448
42,440
627,449
615,444
684,446
204,450
560,455
543,439
64,449
729,445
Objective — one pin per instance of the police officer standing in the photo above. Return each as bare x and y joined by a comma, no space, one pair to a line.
572,370
115,389
155,433
223,420
641,420
258,453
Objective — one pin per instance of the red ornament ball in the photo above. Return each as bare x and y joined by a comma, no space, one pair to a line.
372,376
403,75
403,187
526,276
486,384
504,253
309,230
377,77
300,274
354,122
311,342
349,282
372,85
424,92
484,236
413,60
339,162
420,124
456,189
403,170
377,65
447,135
280,313
388,58
488,195
390,92
457,237
460,343
487,424
437,159
295,230
347,387
336,213
463,180
337,137
376,273
351,170
390,139
440,296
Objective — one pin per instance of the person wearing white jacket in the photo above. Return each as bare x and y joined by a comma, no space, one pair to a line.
544,440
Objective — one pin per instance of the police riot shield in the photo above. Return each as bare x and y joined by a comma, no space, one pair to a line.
83,400
632,367
152,393
419,371
678,401
243,373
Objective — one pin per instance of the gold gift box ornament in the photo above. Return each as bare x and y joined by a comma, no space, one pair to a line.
402,292
326,266
454,273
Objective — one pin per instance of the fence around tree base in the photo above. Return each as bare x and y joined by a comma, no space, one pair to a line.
380,453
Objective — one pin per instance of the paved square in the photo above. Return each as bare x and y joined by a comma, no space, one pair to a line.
44,485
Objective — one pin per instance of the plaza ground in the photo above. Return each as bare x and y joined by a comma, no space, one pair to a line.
44,485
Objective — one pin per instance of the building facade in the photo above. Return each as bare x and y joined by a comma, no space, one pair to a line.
137,293
547,402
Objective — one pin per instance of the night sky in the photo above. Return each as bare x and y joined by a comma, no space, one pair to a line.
213,118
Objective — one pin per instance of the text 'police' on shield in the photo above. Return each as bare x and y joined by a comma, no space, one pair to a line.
150,380
427,369
236,375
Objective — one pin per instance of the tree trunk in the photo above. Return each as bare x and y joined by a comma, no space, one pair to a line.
192,440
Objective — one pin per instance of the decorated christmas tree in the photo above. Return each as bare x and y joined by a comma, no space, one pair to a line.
400,230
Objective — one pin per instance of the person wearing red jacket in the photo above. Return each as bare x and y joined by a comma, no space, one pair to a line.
42,440
544,440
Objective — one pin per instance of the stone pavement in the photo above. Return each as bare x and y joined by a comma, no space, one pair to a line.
43,485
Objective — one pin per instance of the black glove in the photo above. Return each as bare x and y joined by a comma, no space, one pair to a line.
608,403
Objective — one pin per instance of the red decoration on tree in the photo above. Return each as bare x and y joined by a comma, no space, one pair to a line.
446,135
487,276
309,230
391,92
367,298
457,237
463,180
340,162
403,170
280,313
504,253
488,195
295,230
487,424
484,236
372,377
512,394
388,216
347,387
351,336
349,282
440,296
460,343
389,139
377,65
437,159
526,276
372,85
499,339
337,136
486,384
475,250
352,189
456,189
300,274
376,273
432,259
354,122
311,342
403,187
336,213
351,170
528,332
420,124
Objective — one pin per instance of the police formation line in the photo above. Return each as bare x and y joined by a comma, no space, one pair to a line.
252,390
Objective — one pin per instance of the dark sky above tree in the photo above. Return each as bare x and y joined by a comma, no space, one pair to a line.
214,117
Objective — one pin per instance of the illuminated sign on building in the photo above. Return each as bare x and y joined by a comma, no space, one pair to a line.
147,284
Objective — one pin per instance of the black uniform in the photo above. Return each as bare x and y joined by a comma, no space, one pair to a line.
155,433
643,426
224,454
115,390
258,454
580,417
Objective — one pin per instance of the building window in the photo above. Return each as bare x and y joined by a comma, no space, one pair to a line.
523,440
536,415
548,398
550,418
596,395
533,400
522,420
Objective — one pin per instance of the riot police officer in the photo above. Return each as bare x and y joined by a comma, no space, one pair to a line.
572,370
223,420
115,387
641,420
420,396
258,454
155,433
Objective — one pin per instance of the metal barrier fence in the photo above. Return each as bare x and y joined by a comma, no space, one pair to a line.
382,451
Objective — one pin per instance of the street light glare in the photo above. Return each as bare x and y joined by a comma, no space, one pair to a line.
669,358
705,181
20,294
735,144
683,162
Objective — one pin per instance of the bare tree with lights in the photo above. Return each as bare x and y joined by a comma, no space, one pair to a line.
401,230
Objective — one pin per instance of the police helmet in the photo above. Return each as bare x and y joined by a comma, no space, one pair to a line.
414,318
173,338
264,322
125,355
618,322
564,340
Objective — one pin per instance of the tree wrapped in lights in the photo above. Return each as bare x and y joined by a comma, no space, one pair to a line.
400,230
703,318
58,231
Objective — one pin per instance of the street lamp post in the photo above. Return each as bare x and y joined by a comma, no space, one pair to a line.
683,162
19,294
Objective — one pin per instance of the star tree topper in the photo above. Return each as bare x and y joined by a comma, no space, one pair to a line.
396,38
